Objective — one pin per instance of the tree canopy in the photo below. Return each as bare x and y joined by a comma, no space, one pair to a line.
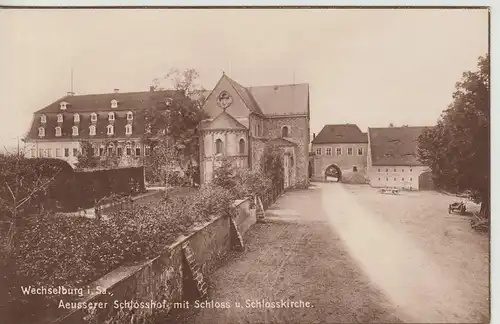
457,149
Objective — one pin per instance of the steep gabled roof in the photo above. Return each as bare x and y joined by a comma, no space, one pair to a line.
132,101
223,121
291,99
394,146
245,96
339,134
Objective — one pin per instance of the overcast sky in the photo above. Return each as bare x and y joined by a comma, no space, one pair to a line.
364,66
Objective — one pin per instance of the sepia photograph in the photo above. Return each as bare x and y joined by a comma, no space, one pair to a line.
201,165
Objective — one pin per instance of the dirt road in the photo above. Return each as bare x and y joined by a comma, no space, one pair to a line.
322,246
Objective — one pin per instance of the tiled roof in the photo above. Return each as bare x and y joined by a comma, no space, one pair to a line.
223,121
338,134
100,104
245,96
84,126
290,99
393,146
132,101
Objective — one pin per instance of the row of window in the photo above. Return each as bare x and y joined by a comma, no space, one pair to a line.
219,146
58,152
395,170
64,105
338,151
110,130
93,117
119,151
395,179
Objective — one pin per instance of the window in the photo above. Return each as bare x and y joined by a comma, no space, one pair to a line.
58,152
130,116
76,118
128,129
111,116
360,151
66,152
147,150
284,131
33,153
338,151
394,169
354,169
379,170
402,170
92,130
129,150
63,105
318,151
386,179
110,150
58,131
349,151
75,152
411,179
74,130
59,118
394,179
40,152
378,179
41,131
101,151
410,170
43,119
114,103
49,152
110,129
93,117
328,151
218,146
242,146
137,151
386,170
258,130
96,151
402,179
119,151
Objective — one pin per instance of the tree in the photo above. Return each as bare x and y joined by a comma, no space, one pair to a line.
457,149
86,159
172,124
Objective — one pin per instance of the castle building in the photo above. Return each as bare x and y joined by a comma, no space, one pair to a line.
110,122
242,121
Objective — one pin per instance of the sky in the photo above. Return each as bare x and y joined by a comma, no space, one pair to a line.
370,67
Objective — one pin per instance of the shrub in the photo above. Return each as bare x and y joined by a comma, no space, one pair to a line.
57,250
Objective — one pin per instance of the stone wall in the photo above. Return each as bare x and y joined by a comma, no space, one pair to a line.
159,281
299,134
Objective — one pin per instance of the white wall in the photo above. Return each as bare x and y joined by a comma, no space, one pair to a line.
405,177
53,149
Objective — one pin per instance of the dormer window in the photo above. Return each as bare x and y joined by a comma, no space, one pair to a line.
64,105
128,129
92,130
58,131
93,117
43,119
75,130
114,103
111,116
41,131
59,118
130,116
76,118
110,129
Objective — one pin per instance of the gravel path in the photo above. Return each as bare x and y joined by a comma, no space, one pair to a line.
355,256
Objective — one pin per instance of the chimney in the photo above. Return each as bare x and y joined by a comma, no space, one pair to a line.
314,136
70,93
116,90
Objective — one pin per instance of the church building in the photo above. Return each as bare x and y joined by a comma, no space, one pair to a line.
242,121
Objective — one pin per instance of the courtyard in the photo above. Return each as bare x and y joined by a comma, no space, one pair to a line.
356,256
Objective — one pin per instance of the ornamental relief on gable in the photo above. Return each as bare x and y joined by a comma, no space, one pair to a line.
224,100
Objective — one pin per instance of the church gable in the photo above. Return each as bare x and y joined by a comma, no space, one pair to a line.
224,122
225,96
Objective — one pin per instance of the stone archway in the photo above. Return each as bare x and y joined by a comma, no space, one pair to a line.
425,181
333,173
